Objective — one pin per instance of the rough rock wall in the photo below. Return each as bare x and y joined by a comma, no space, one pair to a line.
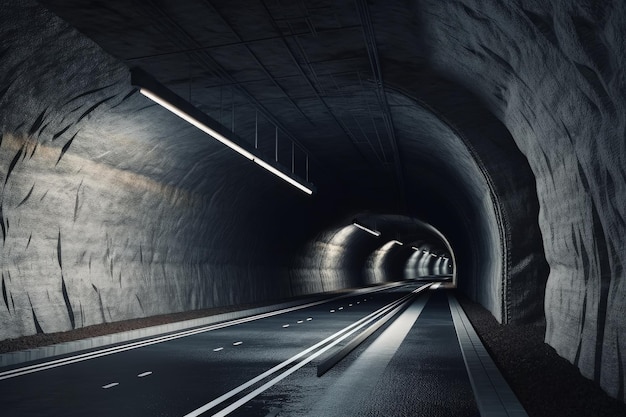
446,164
553,72
111,208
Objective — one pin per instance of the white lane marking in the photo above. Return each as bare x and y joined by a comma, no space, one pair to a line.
237,343
218,349
300,321
160,339
492,393
340,308
349,305
309,319
110,385
372,361
358,302
305,361
285,325
350,329
332,311
141,375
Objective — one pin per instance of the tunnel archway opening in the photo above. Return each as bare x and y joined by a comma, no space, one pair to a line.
371,249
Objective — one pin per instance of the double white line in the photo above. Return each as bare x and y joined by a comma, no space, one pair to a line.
312,352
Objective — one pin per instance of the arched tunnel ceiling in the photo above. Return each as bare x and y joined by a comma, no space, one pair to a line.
473,116
314,73
350,83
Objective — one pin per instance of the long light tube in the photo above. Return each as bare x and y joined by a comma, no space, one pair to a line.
415,249
373,232
221,138
397,242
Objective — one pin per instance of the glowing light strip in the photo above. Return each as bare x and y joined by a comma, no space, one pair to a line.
397,242
414,248
279,174
221,138
373,232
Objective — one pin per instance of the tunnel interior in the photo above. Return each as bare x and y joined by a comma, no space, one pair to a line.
487,134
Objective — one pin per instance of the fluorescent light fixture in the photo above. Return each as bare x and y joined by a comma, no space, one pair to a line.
397,242
279,174
370,231
139,78
196,123
414,248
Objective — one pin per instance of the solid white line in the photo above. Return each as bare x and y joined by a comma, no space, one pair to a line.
492,393
290,371
217,349
159,339
350,329
110,385
144,374
237,343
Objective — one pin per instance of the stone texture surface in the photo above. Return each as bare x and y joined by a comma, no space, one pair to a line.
554,74
508,119
108,216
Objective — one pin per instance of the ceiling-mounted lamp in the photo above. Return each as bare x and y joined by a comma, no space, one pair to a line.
397,242
415,249
367,229
161,95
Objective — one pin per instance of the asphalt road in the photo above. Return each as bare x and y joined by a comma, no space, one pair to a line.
177,377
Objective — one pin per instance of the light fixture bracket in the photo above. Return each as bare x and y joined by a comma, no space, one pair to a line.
165,97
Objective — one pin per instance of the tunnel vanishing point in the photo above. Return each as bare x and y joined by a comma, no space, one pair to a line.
489,134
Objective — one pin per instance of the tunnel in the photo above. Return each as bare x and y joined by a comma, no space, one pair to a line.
478,144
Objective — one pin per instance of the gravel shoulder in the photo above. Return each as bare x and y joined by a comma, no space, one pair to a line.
546,384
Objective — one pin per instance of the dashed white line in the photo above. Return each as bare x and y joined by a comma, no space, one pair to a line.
285,325
218,349
237,343
300,321
309,319
358,302
332,311
349,305
340,308
144,374
111,385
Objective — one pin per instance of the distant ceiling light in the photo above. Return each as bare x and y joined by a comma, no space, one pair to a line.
414,248
397,242
368,230
147,85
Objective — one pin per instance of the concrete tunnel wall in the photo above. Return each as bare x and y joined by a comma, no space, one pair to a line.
107,215
553,73
112,208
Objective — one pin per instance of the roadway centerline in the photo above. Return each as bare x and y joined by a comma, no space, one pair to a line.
330,342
